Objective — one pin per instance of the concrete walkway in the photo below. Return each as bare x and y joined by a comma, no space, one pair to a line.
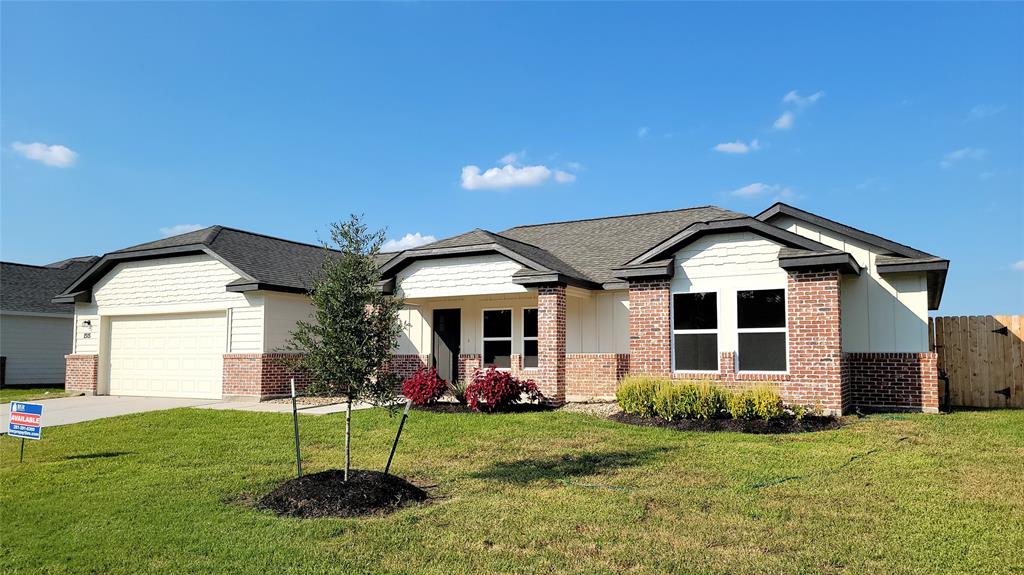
66,410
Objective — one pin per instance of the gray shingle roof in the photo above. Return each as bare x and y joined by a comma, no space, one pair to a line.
28,288
266,260
596,246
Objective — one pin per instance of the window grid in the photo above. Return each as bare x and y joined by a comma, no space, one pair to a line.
484,339
530,338
672,316
784,330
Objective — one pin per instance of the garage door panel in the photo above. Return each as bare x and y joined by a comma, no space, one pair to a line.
170,355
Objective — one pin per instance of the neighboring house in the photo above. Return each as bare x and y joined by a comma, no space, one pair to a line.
35,333
835,317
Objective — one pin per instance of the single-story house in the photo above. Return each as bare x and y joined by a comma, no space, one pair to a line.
35,333
834,316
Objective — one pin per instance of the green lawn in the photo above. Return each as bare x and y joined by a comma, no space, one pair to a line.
8,394
166,492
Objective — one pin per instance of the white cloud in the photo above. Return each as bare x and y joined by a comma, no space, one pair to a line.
407,242
179,229
504,177
962,154
55,155
794,97
760,189
642,132
785,121
1018,266
564,177
737,147
574,166
512,158
982,111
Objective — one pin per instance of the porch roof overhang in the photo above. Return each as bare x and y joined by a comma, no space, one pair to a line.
799,260
647,270
935,270
531,278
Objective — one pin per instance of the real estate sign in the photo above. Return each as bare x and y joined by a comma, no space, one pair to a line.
26,420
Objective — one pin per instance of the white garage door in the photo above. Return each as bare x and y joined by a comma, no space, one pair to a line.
167,355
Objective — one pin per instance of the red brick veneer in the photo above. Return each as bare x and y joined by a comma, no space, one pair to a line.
551,343
893,381
594,375
650,327
468,363
404,365
815,341
81,373
260,375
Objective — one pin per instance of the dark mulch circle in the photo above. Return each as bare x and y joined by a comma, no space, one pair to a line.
757,426
327,494
452,407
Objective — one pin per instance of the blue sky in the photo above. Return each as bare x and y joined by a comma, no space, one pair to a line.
120,122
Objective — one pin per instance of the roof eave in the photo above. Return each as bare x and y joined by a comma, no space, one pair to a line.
647,270
935,274
548,278
844,262
401,261
699,229
243,287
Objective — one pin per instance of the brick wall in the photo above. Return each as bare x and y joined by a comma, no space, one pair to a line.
404,365
893,381
815,341
650,327
551,343
468,363
260,375
590,376
81,373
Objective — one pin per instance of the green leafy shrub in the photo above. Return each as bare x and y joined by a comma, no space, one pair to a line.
700,400
635,394
762,401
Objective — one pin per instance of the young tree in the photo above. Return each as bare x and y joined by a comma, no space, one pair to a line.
347,345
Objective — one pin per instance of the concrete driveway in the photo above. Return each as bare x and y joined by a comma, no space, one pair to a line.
65,410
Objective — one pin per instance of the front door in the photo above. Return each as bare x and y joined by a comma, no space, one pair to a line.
447,334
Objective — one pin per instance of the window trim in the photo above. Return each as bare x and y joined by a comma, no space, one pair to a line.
716,331
525,338
510,339
784,329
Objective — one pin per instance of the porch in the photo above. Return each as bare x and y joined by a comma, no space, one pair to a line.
572,342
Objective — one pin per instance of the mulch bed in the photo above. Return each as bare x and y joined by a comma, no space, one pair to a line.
451,407
758,426
326,494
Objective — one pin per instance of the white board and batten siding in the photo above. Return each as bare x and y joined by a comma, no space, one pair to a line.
35,345
880,313
727,264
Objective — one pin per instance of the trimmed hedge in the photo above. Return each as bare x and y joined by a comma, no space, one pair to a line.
647,396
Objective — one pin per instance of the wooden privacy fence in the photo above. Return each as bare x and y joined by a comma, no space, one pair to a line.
983,356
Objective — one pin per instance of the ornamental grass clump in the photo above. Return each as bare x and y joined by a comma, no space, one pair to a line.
690,400
762,401
636,394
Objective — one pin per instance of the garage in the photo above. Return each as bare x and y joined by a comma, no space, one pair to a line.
177,355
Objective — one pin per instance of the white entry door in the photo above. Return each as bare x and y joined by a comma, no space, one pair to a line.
168,355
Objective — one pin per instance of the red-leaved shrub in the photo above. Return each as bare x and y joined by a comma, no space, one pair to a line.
492,390
424,387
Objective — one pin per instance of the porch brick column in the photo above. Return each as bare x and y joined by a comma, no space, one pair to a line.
81,373
551,342
815,342
650,327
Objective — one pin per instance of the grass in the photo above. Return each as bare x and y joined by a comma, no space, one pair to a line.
169,492
30,393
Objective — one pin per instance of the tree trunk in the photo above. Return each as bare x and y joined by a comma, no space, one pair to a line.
348,436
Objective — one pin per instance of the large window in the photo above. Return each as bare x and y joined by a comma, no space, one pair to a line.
498,338
530,337
695,331
761,327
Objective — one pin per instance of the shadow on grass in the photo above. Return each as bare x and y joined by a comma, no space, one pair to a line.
99,455
561,467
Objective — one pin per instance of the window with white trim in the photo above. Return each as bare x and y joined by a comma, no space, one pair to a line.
497,340
695,331
761,330
530,355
